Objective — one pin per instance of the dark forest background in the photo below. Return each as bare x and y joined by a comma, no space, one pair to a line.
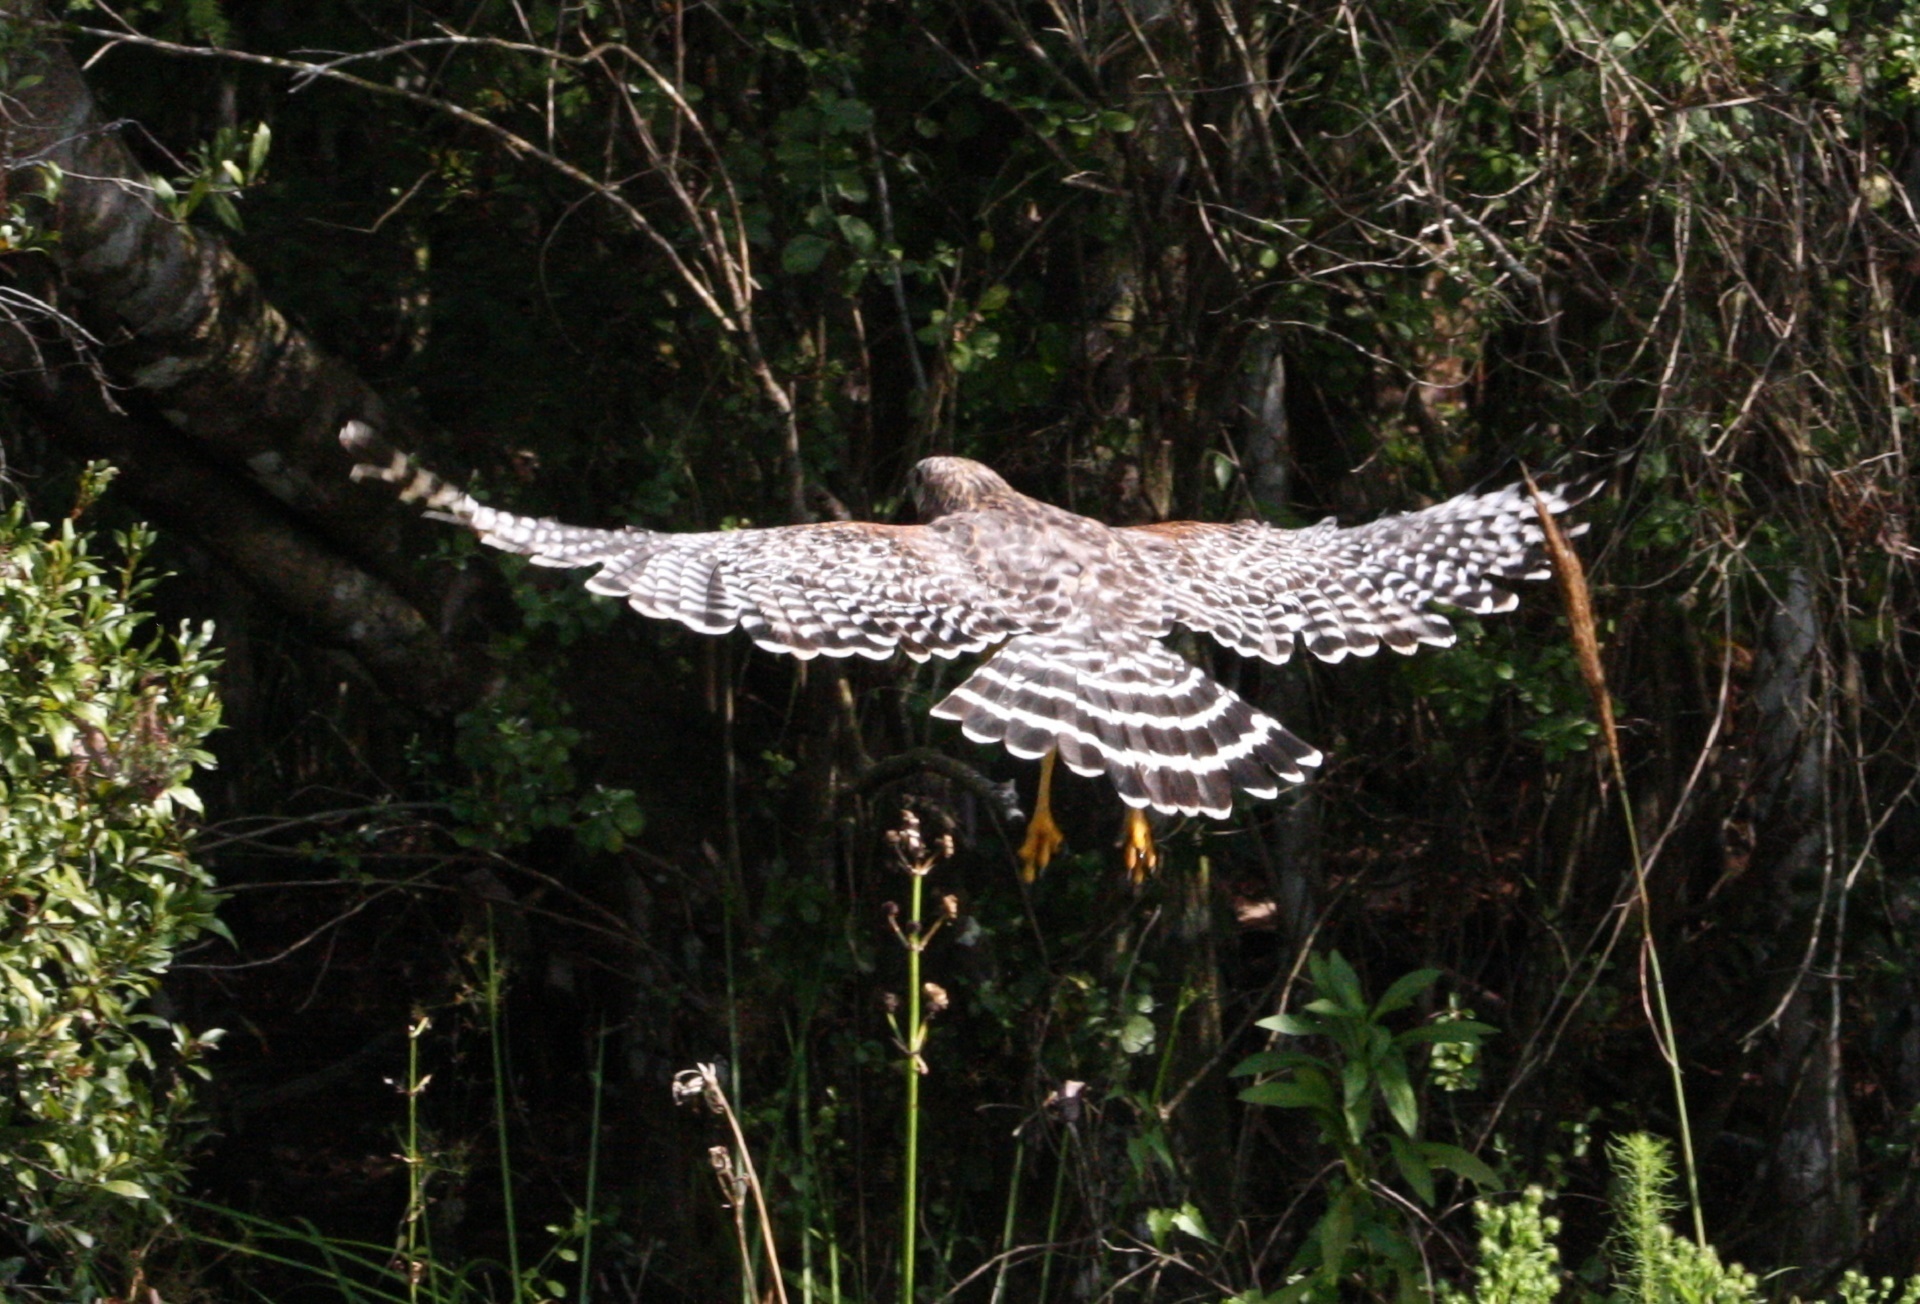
743,263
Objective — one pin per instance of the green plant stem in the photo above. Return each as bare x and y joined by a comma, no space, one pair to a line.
1006,1225
593,1169
494,987
1053,1214
1187,998
729,905
809,1192
416,1203
1669,1044
908,1212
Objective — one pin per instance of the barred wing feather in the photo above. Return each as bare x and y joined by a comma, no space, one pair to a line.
842,588
1262,591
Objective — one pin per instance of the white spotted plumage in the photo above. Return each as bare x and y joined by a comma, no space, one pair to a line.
1077,606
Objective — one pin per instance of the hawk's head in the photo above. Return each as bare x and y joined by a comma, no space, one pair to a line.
942,485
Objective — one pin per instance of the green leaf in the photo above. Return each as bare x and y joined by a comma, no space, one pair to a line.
1148,1149
850,117
1378,1044
60,732
223,211
1356,1107
1188,1219
1398,1093
131,1190
1355,1078
1336,978
1291,1093
1336,1234
857,233
1456,1160
1270,1061
1464,1032
1413,1166
803,254
1292,1025
1405,990
1184,1219
1297,1293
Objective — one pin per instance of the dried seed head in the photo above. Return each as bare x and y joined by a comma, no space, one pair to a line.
688,1086
1571,577
937,999
701,1082
1067,1100
732,1189
951,904
891,1001
906,840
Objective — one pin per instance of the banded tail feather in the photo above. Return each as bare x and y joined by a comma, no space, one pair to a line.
543,542
1166,734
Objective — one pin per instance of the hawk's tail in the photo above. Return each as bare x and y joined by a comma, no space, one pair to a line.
543,542
1167,735
381,461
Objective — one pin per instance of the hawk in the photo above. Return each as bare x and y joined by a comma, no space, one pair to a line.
1076,608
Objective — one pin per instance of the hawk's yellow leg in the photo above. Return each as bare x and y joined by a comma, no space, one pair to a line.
1142,857
1043,835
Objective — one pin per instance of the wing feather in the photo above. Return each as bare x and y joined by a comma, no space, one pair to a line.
1261,590
841,588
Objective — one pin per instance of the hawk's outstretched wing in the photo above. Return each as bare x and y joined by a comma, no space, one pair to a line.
1260,589
842,588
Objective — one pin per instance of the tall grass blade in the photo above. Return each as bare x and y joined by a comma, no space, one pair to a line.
1570,575
495,986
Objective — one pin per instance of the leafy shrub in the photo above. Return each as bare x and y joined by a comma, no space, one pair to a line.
1519,1263
1369,1064
101,721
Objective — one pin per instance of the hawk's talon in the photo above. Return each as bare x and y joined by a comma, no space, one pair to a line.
1043,835
1142,857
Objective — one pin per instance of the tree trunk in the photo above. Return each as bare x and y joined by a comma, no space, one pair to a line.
1814,1165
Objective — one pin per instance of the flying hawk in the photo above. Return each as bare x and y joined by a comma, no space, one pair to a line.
1075,609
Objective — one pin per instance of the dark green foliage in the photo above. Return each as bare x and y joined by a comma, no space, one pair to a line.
1360,1233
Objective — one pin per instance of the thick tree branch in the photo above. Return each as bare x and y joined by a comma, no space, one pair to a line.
224,417
185,490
